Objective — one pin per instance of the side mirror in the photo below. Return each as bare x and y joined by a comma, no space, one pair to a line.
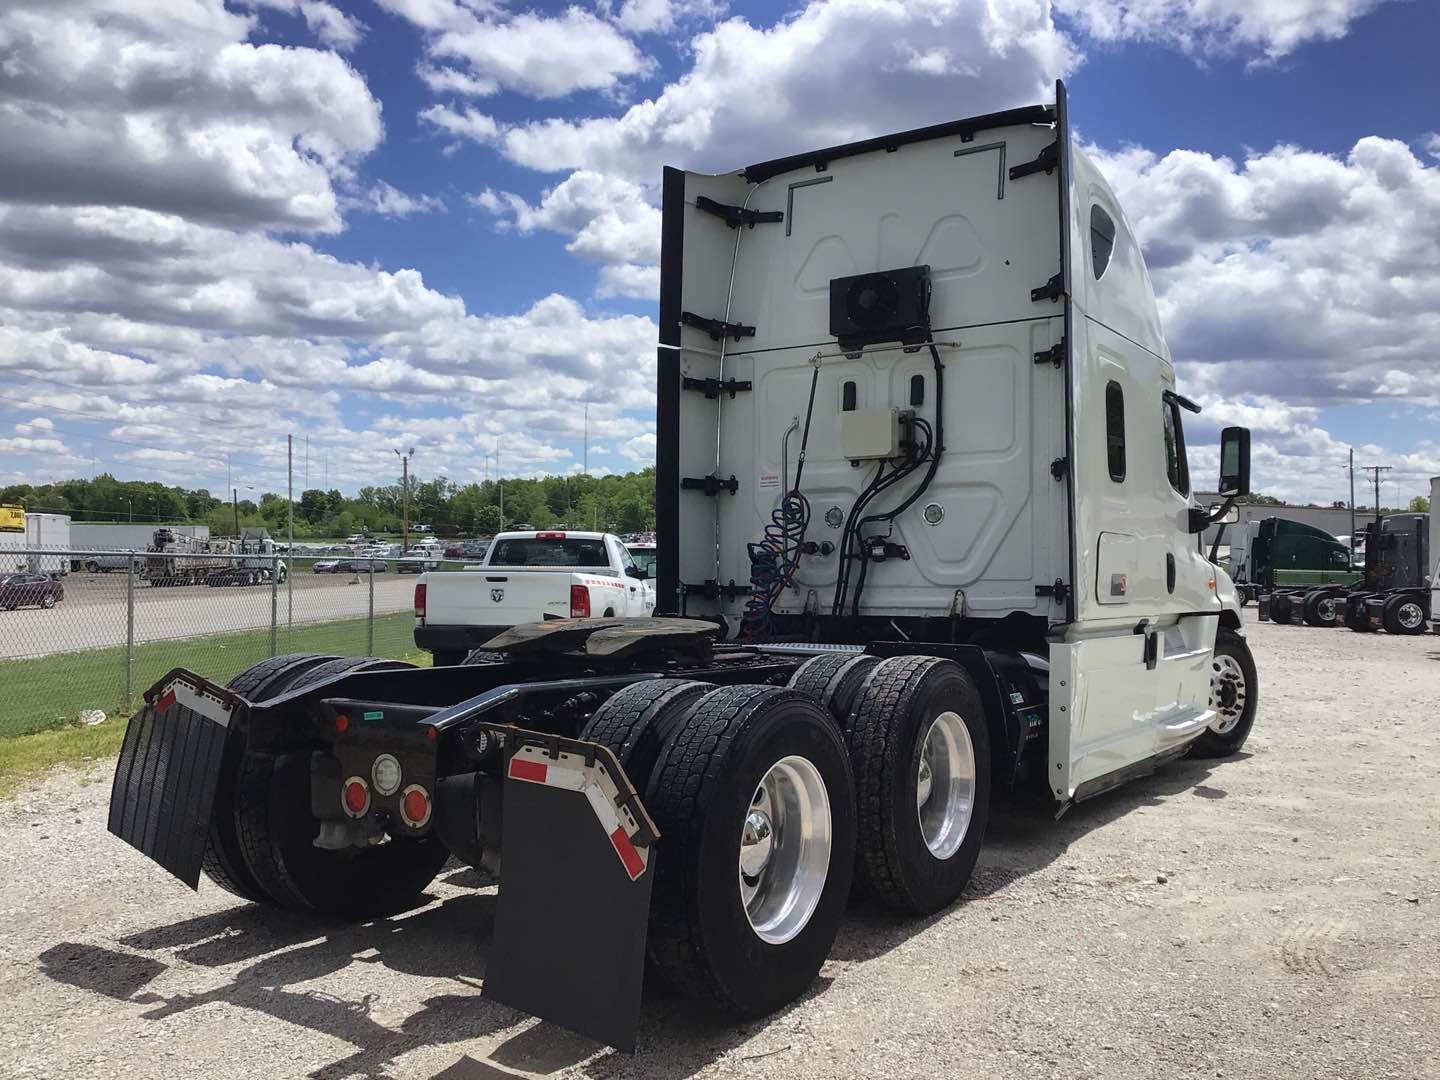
1235,461
1229,517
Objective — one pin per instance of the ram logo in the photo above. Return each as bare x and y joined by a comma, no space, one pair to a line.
497,595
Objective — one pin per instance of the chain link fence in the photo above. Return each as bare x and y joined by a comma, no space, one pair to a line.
84,633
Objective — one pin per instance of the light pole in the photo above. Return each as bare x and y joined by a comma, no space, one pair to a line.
405,498
499,483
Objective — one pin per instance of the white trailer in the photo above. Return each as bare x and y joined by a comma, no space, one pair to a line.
1435,556
921,463
52,533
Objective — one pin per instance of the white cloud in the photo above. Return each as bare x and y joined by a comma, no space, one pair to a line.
463,123
333,28
1311,278
448,80
1275,27
388,201
661,16
608,219
113,107
538,55
640,449
629,280
38,425
763,91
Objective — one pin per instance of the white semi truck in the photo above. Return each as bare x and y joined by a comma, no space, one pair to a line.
925,533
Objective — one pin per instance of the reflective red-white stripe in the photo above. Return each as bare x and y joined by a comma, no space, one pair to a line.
534,765
195,699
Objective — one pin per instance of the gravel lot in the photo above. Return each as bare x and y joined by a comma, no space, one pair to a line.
1274,915
92,615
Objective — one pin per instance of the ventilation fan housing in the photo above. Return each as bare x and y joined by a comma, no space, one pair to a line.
891,305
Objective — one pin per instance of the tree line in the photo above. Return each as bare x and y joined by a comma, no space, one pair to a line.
617,503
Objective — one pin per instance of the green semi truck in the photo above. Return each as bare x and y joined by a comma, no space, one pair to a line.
1277,554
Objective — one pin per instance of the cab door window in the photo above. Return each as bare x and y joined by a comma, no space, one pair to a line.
1177,468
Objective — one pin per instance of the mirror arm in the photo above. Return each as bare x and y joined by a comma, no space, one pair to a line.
1219,515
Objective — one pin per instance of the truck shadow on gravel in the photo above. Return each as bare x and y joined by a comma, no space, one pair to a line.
450,940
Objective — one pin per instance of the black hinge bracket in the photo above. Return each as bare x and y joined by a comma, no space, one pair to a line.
1047,162
735,216
1060,591
713,590
718,329
713,388
1059,467
1151,653
1053,355
710,485
1052,290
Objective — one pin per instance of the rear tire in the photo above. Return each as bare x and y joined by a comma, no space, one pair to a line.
919,743
1320,609
1234,695
1280,608
223,861
633,724
1403,615
277,829
834,681
743,764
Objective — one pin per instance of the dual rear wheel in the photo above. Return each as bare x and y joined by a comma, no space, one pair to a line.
763,796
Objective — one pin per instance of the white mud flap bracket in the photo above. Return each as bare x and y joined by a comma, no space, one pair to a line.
578,860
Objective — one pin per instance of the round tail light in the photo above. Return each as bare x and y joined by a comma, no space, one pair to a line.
355,797
415,806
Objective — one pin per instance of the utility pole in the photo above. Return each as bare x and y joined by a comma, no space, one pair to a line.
585,467
1352,500
235,503
498,482
289,539
405,498
307,462
1375,471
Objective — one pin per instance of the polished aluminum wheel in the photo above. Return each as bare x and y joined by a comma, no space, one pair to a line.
1228,693
1409,615
945,785
1328,609
785,843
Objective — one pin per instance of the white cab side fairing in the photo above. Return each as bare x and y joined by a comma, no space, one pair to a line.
1131,676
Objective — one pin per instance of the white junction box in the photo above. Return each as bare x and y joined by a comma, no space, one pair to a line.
870,433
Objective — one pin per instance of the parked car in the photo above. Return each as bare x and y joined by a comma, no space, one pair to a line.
454,551
30,590
327,566
357,538
418,561
103,564
363,565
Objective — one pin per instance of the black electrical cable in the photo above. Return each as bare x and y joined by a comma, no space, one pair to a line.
774,560
934,450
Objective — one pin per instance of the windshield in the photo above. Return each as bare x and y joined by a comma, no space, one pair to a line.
644,558
528,551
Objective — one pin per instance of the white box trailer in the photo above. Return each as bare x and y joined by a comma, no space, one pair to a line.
925,531
50,532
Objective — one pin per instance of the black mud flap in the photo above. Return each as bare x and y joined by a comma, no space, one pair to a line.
577,864
165,779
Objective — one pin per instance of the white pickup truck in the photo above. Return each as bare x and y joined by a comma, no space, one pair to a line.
528,577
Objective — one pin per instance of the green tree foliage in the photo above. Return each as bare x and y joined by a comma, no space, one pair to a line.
616,503
1419,505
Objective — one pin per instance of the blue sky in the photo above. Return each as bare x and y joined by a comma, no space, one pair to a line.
377,223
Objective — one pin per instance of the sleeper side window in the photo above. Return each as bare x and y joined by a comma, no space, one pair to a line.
1102,240
1115,430
1176,466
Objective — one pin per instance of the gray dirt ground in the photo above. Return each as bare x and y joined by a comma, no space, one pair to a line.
1269,916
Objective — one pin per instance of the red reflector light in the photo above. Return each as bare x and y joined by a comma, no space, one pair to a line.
431,733
420,600
342,723
579,602
356,797
549,536
415,806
